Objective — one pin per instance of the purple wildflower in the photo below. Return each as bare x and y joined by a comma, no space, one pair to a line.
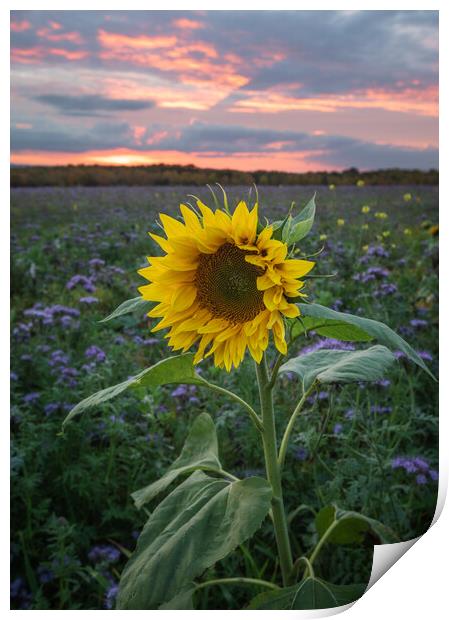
45,575
96,263
350,414
81,280
111,595
89,300
95,353
13,376
104,554
300,453
421,479
426,356
328,343
379,409
31,398
338,428
418,323
51,408
385,289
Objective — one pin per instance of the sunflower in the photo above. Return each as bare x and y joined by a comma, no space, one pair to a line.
221,285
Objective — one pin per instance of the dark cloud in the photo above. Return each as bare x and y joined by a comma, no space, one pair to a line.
91,105
332,151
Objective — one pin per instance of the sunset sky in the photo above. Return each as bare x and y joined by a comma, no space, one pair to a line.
292,91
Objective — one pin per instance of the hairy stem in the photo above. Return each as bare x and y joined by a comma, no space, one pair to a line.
273,472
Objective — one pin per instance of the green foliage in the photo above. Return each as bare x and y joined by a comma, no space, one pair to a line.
310,593
373,329
200,451
135,305
342,527
199,523
176,369
296,228
329,366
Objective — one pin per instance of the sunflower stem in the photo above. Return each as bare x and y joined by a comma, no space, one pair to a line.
273,472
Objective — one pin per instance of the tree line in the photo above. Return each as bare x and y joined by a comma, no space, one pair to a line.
162,174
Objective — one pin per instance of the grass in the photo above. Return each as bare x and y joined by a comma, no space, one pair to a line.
75,256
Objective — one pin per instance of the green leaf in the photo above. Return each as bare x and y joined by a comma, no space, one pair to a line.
310,593
347,527
334,366
194,527
137,304
296,228
329,328
200,451
373,329
176,369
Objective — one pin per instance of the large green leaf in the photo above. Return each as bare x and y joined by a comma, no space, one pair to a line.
176,369
329,328
334,366
199,523
373,329
137,304
200,451
310,593
296,228
344,527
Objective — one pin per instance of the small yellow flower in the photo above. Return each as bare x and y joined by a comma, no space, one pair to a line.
386,233
407,197
323,237
331,186
365,248
366,209
407,231
340,221
222,285
360,183
381,215
365,226
75,206
434,230
393,246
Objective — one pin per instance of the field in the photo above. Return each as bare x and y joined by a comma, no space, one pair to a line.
75,252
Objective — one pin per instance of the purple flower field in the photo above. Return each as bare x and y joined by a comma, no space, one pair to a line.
371,448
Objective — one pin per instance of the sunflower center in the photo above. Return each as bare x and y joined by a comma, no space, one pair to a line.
227,284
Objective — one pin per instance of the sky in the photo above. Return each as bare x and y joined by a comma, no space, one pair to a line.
275,90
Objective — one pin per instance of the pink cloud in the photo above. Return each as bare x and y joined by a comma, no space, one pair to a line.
423,102
187,24
117,42
72,37
20,26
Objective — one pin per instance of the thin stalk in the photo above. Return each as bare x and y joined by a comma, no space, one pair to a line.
308,570
290,425
254,417
321,542
274,372
273,472
237,580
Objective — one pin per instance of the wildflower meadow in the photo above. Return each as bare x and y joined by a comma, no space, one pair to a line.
297,468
